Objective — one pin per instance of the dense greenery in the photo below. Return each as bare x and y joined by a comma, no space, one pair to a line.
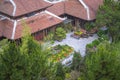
29,61
108,15
25,62
76,61
68,27
60,73
60,52
103,64
89,26
60,34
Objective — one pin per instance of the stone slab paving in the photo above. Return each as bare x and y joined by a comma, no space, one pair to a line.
79,45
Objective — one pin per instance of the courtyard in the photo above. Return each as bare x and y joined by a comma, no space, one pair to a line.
79,45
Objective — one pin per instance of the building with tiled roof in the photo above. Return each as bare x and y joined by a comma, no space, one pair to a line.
42,16
76,8
36,23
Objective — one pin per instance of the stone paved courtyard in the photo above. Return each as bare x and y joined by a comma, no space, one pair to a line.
79,45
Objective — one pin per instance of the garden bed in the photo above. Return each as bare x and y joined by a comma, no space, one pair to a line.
60,52
80,34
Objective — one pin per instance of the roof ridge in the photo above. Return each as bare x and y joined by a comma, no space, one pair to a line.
14,5
52,14
86,7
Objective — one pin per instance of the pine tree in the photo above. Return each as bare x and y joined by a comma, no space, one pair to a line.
104,64
37,57
108,15
14,65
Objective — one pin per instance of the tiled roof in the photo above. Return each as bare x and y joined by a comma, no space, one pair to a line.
93,6
22,6
36,23
7,28
43,20
57,8
1,28
76,9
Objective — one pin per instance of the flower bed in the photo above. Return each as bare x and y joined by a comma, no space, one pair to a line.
80,33
60,52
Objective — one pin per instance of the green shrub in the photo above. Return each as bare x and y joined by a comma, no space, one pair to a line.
104,64
76,61
78,32
101,32
59,74
52,42
60,34
96,42
89,26
90,45
49,37
67,75
104,37
68,27
91,48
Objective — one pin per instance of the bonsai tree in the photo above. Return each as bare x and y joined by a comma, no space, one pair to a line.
60,34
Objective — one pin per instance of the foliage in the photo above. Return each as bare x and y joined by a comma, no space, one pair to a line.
14,66
60,34
76,61
60,74
74,75
60,52
91,48
4,43
103,64
49,37
89,26
25,62
101,32
68,27
67,75
38,58
108,15
79,33
104,38
95,42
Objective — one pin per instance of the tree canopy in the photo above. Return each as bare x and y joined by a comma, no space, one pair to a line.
109,15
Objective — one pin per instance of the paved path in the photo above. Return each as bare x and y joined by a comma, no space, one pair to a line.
79,45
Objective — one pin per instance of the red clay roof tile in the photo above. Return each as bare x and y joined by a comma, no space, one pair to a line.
22,6
58,8
7,28
35,23
44,20
76,9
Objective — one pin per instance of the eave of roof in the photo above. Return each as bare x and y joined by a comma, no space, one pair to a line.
23,7
36,23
